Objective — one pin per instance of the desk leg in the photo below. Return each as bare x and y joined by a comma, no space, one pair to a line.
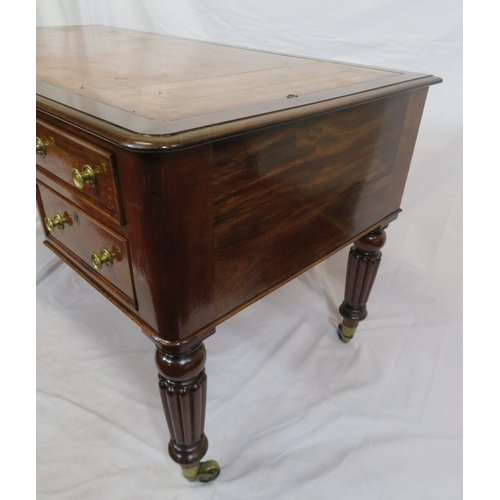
362,267
183,391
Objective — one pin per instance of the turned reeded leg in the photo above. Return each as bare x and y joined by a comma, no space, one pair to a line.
362,267
183,391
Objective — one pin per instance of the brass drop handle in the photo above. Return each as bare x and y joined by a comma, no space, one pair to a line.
105,258
40,146
87,175
56,221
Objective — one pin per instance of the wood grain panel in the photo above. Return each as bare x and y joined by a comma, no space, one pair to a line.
64,151
168,203
84,236
289,195
406,146
95,211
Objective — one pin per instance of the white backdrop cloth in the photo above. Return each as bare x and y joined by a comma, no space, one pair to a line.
292,412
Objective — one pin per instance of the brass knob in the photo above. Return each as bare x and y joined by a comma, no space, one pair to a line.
57,221
104,258
40,146
87,175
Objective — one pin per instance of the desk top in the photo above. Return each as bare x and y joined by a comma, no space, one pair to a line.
137,85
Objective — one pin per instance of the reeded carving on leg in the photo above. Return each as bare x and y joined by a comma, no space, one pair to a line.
183,391
362,267
184,410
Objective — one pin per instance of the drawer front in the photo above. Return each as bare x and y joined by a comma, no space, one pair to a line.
88,241
64,156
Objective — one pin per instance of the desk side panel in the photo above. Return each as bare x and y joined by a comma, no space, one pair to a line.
214,227
407,142
168,203
287,196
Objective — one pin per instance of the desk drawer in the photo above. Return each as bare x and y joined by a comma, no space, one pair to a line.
90,244
83,168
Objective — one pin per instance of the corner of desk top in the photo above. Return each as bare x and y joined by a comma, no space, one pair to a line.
155,140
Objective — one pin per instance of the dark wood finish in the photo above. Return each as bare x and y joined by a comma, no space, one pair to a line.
183,391
171,212
64,152
218,225
286,197
407,141
363,263
83,236
215,200
81,202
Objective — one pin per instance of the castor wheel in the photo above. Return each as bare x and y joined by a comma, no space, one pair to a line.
204,472
345,333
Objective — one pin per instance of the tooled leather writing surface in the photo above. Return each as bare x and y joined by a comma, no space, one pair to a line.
169,79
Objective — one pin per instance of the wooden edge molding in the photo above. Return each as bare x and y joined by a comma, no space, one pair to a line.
195,136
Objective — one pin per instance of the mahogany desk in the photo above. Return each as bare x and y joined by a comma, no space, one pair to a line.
186,180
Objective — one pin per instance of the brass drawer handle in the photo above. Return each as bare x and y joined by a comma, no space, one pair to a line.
87,175
40,146
105,258
57,221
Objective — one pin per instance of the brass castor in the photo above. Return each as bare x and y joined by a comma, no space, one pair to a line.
345,333
203,472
